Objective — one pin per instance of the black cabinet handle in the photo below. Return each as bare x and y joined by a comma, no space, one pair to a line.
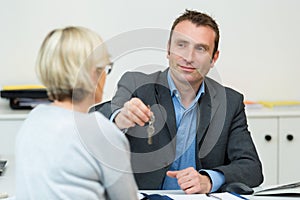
268,138
289,137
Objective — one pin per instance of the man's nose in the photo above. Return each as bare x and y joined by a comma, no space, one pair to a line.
189,55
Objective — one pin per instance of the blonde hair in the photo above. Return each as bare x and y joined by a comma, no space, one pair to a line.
65,62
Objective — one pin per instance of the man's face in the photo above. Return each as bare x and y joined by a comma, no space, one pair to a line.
190,53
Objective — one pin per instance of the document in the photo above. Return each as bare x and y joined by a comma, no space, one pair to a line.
214,196
182,196
291,189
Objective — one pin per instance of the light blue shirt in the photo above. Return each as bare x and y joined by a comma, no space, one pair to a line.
186,139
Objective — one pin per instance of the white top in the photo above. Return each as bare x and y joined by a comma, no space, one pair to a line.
63,154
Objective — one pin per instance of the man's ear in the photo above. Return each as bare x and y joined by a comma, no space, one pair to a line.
214,58
168,49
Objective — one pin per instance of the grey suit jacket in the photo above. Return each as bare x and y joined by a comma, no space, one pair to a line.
223,142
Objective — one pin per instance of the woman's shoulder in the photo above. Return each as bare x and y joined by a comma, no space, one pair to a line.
106,125
98,130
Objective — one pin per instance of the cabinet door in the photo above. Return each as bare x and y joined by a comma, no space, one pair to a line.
264,133
289,149
8,132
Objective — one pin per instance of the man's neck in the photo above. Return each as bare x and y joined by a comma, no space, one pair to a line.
187,92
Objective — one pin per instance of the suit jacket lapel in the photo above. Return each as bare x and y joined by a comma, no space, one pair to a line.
214,123
208,105
163,98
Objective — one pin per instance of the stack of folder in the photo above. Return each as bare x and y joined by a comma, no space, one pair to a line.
280,104
25,96
272,104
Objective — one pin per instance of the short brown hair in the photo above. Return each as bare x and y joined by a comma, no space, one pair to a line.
199,19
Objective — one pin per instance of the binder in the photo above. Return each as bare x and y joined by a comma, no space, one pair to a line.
25,96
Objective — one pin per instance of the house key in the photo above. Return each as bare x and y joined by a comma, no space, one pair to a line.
151,129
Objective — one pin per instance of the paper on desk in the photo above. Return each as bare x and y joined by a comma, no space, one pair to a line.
216,196
292,189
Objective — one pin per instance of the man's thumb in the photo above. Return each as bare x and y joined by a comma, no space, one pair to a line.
172,174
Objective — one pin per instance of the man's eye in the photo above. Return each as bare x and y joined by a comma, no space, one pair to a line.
201,49
180,44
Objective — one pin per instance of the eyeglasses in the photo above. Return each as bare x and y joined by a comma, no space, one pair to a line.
107,68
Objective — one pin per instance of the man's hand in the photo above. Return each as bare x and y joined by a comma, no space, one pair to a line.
190,181
134,112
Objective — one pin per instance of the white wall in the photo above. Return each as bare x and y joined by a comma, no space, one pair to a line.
259,39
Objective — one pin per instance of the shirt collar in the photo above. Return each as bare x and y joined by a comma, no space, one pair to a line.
174,91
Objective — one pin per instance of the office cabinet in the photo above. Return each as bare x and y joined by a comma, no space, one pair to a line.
9,129
265,136
276,135
289,149
10,123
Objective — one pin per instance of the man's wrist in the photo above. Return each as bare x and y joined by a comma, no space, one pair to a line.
114,115
217,178
205,174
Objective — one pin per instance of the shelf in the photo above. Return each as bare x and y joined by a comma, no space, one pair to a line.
273,112
6,113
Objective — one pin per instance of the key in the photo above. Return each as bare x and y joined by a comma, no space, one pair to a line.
151,129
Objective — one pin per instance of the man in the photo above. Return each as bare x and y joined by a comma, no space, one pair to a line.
201,140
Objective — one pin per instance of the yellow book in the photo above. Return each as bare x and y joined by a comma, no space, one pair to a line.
272,104
23,87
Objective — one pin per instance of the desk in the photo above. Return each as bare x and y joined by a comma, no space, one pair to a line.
187,197
7,179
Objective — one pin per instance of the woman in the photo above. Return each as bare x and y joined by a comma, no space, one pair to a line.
62,152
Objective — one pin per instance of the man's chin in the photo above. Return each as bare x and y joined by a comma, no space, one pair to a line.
190,78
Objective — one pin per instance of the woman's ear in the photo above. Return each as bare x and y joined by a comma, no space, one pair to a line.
99,87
